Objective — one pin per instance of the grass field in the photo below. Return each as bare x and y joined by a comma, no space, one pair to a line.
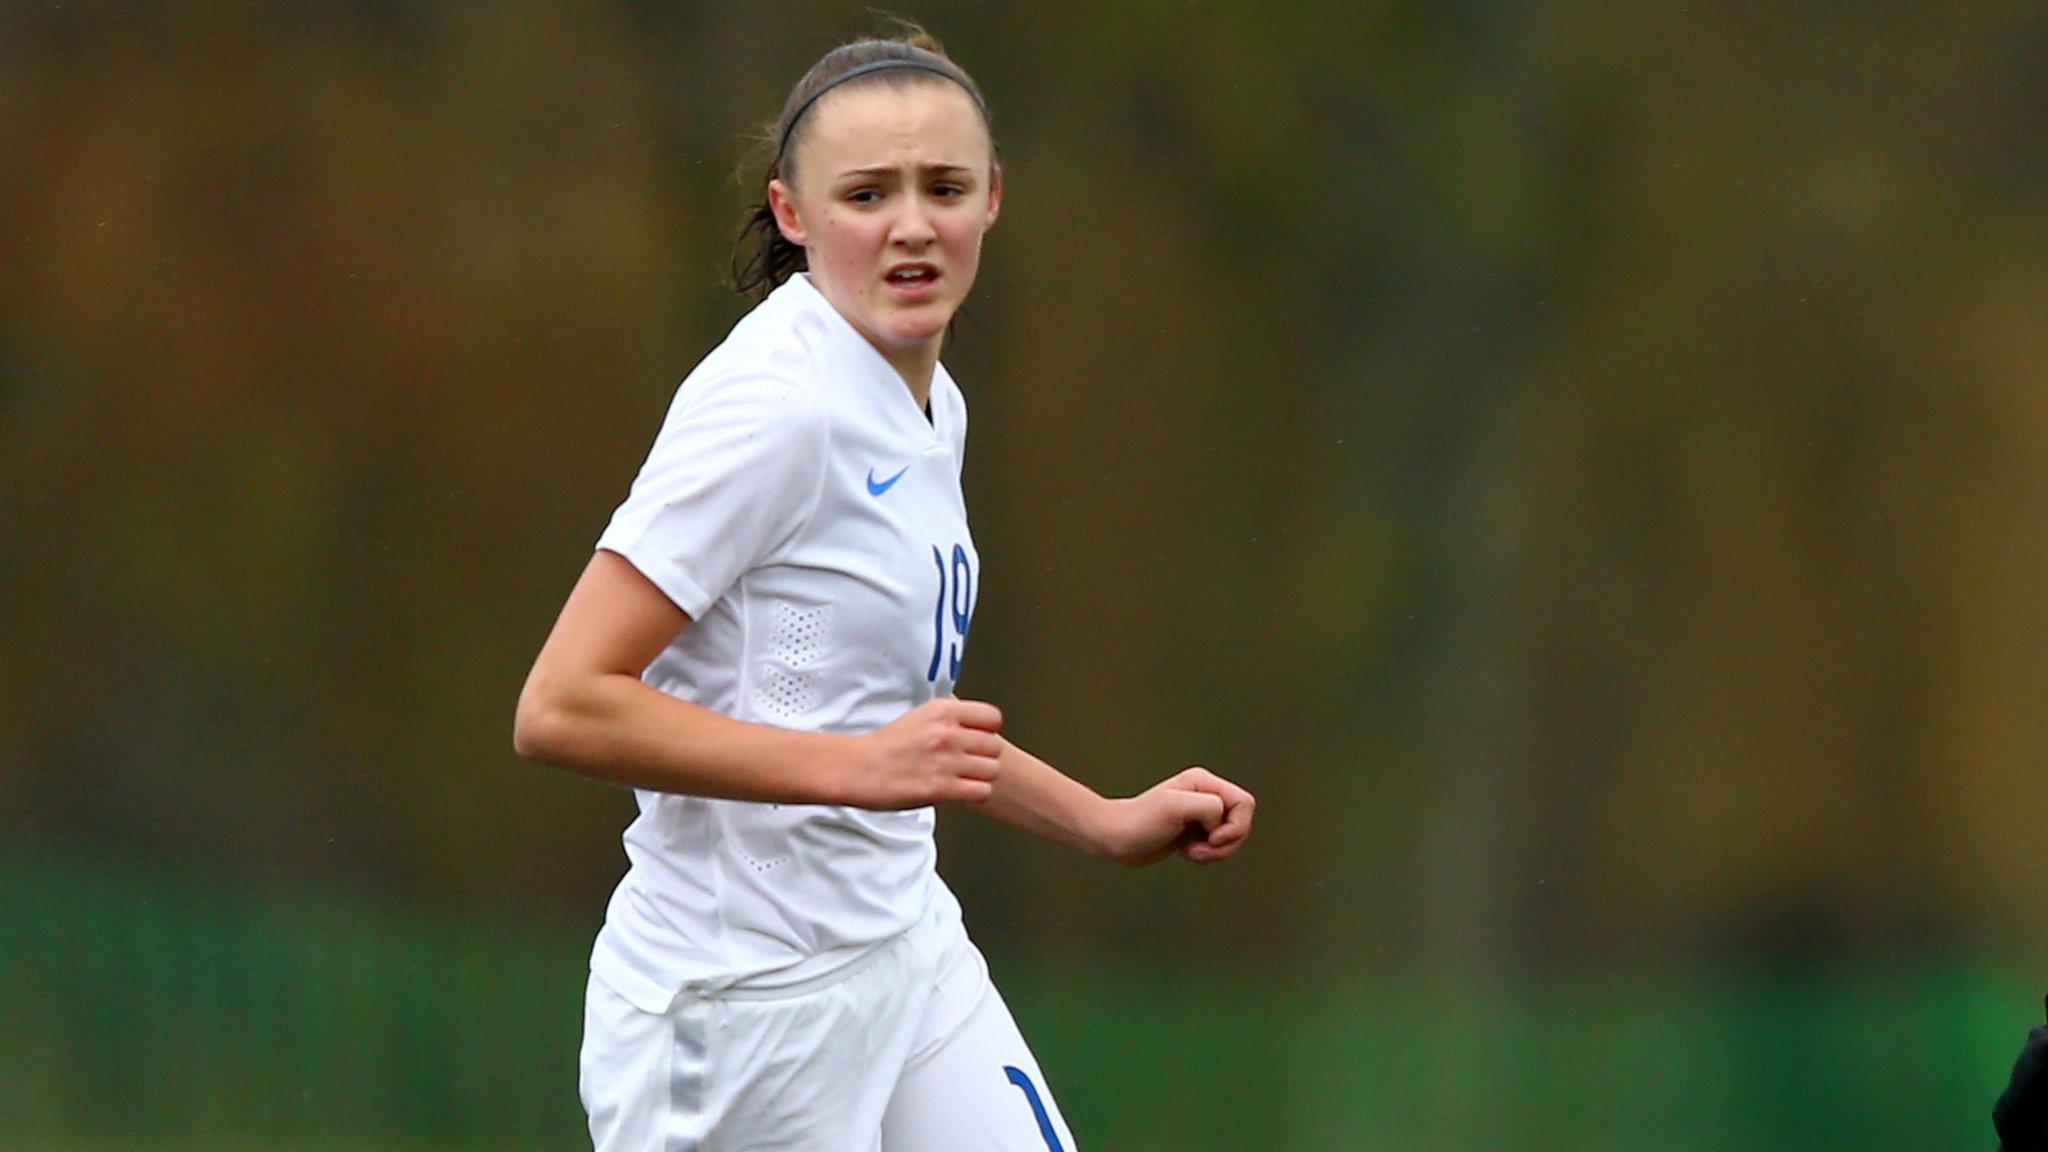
150,1015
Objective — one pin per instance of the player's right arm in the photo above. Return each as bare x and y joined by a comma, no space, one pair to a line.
585,708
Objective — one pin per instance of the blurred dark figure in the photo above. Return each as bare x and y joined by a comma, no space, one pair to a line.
2021,1114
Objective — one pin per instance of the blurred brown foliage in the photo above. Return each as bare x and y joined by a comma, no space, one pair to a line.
1583,466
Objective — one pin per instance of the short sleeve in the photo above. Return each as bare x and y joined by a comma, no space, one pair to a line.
733,476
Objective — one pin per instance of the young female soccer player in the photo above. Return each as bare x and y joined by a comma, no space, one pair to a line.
765,646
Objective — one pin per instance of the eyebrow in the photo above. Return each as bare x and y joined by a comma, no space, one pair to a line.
891,170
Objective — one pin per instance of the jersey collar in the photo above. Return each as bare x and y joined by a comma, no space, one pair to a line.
881,377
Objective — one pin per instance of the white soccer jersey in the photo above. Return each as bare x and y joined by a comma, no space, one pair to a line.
807,516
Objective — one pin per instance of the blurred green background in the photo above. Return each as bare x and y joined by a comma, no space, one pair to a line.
1585,467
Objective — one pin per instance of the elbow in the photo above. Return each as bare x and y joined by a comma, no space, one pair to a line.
537,727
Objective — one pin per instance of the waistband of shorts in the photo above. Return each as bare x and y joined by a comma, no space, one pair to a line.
815,974
828,968
613,963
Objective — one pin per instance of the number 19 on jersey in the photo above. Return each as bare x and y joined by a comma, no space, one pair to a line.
951,612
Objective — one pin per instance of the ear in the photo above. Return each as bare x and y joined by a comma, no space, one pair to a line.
783,204
995,193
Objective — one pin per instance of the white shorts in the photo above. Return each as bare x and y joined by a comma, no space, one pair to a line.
911,1049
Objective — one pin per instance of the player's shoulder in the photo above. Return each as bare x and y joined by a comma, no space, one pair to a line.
752,401
765,370
760,411
792,333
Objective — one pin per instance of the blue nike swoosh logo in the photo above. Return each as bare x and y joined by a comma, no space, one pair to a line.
876,489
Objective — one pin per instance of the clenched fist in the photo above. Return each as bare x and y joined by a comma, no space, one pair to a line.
1195,812
942,751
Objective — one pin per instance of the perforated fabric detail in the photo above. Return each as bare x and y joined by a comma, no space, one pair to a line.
802,636
787,686
788,694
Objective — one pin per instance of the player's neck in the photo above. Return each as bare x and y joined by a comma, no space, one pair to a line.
916,367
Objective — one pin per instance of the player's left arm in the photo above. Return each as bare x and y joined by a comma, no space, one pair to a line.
1194,812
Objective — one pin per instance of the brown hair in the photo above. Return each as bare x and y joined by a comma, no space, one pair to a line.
762,257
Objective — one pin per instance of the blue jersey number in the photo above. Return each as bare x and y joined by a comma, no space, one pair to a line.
955,607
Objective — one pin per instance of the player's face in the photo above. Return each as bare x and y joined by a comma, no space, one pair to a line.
889,194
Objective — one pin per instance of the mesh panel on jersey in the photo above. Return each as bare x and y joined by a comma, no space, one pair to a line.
786,687
801,634
787,694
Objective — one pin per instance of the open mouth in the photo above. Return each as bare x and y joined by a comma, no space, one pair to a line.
913,276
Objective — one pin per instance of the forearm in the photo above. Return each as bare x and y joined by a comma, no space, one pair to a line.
1042,800
614,727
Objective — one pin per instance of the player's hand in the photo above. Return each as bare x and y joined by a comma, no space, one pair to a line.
941,751
1194,812
2021,1114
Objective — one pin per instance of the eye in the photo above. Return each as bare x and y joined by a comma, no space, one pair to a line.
864,196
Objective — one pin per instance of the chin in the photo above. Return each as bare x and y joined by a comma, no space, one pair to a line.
909,336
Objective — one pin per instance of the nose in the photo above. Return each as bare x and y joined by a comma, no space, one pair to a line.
913,227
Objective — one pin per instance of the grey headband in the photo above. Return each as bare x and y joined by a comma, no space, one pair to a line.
868,69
